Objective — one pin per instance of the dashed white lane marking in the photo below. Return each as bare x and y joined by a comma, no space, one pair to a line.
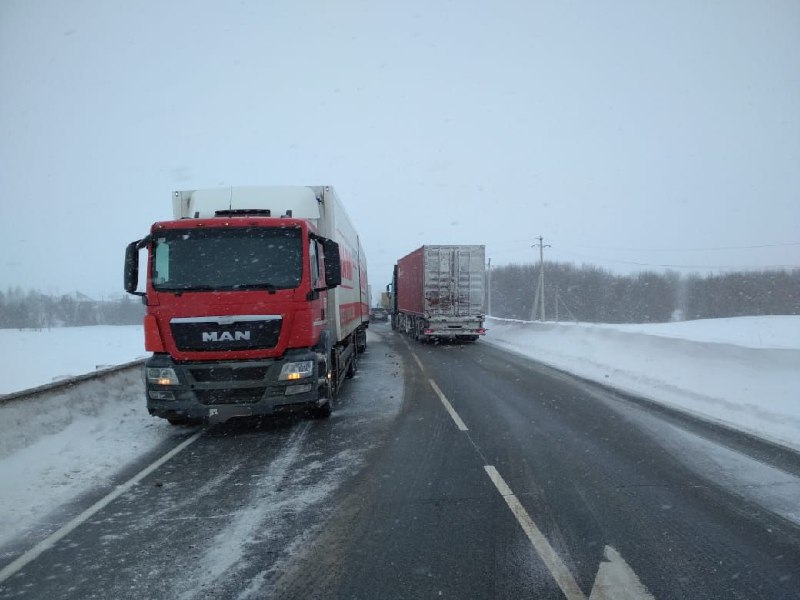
51,540
448,406
615,579
419,362
552,561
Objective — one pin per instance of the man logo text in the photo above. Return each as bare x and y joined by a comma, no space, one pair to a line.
225,336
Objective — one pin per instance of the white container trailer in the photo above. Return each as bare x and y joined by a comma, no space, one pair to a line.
439,292
348,304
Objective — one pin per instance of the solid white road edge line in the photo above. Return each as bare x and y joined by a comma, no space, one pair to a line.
414,354
51,540
552,561
448,406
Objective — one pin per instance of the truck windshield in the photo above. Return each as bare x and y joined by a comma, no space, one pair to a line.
227,259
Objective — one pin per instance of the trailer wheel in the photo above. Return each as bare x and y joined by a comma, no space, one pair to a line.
418,329
361,341
352,368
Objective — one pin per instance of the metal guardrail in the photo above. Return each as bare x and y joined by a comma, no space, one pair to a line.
69,382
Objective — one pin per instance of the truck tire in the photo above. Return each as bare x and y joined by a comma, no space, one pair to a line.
361,341
352,368
321,412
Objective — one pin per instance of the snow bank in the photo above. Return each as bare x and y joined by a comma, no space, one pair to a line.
32,358
743,372
62,443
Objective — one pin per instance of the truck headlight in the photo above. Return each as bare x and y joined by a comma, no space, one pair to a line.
165,376
296,370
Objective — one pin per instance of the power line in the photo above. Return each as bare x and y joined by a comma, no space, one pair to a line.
671,266
699,249
634,249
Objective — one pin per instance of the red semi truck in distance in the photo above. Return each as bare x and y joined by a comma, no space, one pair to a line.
256,303
437,292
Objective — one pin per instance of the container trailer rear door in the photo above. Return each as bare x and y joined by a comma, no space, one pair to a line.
453,284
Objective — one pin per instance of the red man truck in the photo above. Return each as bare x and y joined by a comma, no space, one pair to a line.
256,302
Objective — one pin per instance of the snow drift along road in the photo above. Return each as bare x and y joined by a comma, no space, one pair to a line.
743,372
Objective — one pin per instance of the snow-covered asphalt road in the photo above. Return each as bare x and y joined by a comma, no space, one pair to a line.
458,471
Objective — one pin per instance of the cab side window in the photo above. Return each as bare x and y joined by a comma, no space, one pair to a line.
314,259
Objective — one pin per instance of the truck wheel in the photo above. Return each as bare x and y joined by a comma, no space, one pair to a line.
321,412
352,369
361,342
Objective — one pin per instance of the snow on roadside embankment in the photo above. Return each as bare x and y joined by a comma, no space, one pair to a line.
35,357
743,372
63,442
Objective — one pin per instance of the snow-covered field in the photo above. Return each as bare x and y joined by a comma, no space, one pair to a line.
743,372
32,358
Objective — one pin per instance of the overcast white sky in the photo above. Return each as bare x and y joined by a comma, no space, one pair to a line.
662,128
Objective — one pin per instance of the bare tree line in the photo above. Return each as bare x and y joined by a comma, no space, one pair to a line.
583,293
591,294
20,309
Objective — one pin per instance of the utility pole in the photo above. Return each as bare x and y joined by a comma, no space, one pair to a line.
535,307
556,304
542,246
489,289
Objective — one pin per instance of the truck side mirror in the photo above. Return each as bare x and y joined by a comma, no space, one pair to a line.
333,263
132,268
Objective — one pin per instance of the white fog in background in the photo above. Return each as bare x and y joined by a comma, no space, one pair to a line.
660,125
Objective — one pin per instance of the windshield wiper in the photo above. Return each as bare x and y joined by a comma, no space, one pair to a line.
257,286
180,289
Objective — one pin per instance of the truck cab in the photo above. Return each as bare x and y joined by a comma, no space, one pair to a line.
239,307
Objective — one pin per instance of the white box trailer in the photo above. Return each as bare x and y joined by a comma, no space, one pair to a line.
348,304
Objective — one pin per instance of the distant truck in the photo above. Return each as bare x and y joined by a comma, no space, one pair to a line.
437,292
256,303
386,300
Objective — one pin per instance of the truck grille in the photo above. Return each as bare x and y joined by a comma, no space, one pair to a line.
237,396
217,374
212,334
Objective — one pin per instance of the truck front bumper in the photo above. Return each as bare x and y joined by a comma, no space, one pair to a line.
220,390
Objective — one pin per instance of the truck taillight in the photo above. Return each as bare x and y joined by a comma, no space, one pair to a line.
152,338
480,331
427,331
